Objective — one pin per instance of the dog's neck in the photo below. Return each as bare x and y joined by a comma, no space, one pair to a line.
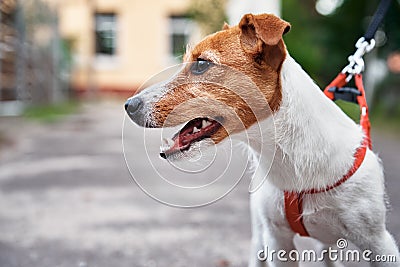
315,141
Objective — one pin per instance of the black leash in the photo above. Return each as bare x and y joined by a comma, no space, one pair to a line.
366,43
377,19
337,90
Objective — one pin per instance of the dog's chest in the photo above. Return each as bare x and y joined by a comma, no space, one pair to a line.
319,222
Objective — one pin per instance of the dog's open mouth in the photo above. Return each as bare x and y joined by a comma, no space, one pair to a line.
194,131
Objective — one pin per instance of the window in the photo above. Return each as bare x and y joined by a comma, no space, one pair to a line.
180,28
106,31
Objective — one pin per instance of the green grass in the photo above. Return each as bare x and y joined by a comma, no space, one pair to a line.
380,119
389,122
352,110
51,113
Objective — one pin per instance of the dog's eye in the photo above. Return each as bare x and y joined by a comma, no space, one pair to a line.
200,66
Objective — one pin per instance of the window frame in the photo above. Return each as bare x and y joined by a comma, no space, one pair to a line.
180,26
100,51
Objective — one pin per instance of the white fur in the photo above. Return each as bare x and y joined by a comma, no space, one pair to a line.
315,144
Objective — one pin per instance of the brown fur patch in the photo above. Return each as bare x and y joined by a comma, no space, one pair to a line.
254,48
226,26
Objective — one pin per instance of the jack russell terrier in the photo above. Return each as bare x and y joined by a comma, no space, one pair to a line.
316,143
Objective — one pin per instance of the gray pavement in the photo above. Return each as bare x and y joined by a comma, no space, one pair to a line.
67,199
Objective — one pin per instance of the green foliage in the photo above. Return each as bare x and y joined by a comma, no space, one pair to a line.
302,40
51,113
381,120
209,14
322,45
392,30
352,110
386,101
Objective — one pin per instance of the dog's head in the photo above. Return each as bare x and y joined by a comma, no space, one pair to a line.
199,93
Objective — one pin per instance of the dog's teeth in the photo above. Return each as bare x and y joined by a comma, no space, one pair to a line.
205,123
195,130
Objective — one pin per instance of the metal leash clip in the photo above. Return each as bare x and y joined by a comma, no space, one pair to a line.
356,61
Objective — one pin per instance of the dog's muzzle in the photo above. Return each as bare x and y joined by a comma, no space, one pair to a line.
134,109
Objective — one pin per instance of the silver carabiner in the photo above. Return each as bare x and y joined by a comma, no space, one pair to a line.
356,61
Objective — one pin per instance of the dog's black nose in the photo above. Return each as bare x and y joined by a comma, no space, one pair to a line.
133,104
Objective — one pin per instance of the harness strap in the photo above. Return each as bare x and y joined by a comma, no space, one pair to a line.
341,81
294,211
294,200
359,158
364,117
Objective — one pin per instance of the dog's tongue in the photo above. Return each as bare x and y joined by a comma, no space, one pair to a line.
195,130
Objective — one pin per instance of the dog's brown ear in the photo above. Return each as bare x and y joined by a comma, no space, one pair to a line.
226,26
259,29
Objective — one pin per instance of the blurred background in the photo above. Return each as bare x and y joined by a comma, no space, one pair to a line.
66,68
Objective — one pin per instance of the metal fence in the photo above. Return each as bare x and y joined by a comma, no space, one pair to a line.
34,64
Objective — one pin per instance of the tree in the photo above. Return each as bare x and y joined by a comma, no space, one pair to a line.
209,14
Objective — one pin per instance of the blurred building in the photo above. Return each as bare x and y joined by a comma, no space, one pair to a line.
31,58
94,46
118,44
8,34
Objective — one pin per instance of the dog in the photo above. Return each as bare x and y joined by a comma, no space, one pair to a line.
315,141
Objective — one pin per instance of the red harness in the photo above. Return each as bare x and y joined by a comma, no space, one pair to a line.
294,200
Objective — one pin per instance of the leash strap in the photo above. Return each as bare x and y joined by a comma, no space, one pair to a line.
339,82
364,117
377,19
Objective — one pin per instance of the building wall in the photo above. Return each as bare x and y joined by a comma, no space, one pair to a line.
142,41
142,38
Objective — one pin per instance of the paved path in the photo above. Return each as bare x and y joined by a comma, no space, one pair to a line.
66,199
